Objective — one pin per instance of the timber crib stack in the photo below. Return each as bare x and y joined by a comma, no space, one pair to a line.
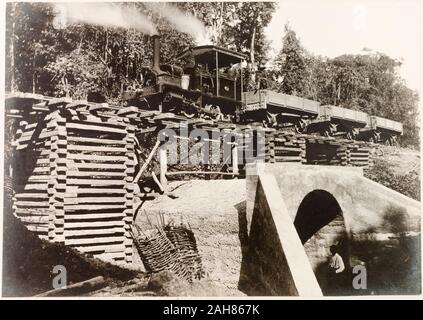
341,152
358,155
99,190
73,177
323,151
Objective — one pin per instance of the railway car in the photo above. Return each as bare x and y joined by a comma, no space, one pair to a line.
279,110
381,130
208,83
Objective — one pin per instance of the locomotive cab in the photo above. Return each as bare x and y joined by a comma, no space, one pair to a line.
214,71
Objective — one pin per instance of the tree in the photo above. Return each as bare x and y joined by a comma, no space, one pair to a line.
290,64
245,32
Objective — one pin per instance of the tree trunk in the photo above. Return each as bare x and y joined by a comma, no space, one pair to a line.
12,49
252,57
34,71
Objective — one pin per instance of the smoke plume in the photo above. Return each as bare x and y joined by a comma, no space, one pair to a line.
181,21
104,14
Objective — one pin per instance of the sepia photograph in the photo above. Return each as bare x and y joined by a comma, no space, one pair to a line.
229,149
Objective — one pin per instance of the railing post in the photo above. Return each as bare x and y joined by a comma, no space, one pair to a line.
163,165
235,158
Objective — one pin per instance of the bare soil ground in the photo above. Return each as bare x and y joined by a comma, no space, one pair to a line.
401,160
211,208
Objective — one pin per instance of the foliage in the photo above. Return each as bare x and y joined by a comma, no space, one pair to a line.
407,184
368,82
291,64
81,57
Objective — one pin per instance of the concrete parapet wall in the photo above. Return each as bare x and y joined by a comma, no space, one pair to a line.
276,262
366,205
377,227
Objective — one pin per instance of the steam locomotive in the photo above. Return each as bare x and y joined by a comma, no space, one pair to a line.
210,86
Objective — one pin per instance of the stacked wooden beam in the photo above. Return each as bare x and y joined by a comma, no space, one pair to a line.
288,147
74,179
323,151
31,199
269,155
99,191
358,155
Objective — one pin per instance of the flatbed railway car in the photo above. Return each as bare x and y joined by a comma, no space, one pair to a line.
381,130
275,109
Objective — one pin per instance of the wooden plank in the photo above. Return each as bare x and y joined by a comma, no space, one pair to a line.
172,173
94,200
94,224
75,173
98,128
31,195
37,228
94,216
73,147
38,219
293,149
38,186
76,289
95,140
147,161
95,157
287,158
78,207
83,165
95,182
111,256
96,240
38,204
109,248
84,233
30,211
100,191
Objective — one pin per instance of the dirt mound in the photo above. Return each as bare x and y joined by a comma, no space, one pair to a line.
397,169
400,160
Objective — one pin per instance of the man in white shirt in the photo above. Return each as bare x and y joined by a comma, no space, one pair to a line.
336,261
336,276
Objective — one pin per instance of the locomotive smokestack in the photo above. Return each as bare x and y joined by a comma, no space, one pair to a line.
156,52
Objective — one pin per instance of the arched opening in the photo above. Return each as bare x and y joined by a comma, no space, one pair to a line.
320,224
317,209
